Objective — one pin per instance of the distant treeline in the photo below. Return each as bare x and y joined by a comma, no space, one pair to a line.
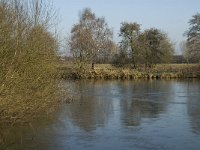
91,41
176,59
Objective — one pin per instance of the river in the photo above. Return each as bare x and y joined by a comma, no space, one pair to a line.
119,115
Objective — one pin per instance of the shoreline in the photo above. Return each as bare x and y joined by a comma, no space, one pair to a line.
167,71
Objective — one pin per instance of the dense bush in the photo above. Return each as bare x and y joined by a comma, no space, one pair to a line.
28,54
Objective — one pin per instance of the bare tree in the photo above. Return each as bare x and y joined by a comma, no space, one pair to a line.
90,38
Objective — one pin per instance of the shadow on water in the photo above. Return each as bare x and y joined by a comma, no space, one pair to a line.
38,135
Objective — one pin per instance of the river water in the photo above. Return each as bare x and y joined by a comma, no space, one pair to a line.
120,115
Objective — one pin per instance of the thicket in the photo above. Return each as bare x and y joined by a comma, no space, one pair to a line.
28,59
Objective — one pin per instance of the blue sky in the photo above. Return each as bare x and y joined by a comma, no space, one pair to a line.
170,16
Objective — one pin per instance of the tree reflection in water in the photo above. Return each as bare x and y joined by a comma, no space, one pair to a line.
193,104
92,105
145,99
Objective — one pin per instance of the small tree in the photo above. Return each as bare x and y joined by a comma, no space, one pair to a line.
130,33
185,52
89,39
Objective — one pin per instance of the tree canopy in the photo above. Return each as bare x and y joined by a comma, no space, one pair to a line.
158,48
130,33
149,47
91,39
193,39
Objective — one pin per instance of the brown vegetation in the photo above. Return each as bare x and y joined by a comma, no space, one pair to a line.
28,56
107,71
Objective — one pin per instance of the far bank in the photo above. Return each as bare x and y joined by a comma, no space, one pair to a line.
108,71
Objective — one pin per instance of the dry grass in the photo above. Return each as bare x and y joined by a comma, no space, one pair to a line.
108,71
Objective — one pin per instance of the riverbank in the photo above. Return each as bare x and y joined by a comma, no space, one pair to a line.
107,71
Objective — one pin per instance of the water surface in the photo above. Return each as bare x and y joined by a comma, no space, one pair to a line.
115,115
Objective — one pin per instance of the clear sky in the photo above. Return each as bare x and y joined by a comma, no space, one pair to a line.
170,16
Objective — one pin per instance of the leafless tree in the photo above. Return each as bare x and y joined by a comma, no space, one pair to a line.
90,39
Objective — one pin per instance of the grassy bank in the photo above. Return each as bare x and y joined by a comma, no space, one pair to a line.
107,71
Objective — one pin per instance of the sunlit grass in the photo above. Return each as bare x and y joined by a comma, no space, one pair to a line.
108,71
